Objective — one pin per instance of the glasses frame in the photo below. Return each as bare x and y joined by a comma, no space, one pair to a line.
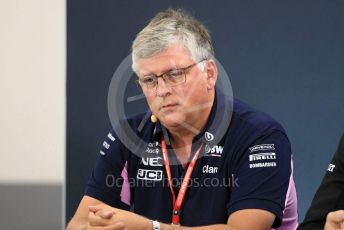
163,75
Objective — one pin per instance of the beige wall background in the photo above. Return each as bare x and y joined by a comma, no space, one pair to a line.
32,91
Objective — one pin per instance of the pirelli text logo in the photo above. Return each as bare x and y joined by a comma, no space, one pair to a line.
262,156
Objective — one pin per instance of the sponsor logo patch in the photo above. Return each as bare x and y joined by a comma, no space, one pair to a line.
153,147
208,136
262,156
152,150
112,138
262,147
215,151
263,165
153,144
209,169
106,145
331,167
152,175
152,161
267,159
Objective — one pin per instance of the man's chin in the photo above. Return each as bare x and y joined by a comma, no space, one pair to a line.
171,121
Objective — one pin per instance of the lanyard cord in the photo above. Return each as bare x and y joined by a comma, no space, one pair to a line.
177,203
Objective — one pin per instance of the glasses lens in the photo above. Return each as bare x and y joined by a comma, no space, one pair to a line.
175,77
149,82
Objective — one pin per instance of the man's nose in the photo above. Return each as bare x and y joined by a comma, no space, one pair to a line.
162,89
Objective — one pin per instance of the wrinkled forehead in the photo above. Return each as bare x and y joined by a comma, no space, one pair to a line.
175,56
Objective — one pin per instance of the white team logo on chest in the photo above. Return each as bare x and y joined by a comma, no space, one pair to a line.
152,175
208,136
207,169
215,151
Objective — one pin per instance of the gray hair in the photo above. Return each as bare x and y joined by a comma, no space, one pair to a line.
168,27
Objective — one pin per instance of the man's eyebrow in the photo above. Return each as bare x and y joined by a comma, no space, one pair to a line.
165,71
148,75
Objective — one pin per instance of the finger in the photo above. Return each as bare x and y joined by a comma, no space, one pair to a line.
119,226
105,214
89,227
336,217
96,228
94,208
115,226
95,220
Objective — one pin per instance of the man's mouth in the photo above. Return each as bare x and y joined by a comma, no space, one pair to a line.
168,107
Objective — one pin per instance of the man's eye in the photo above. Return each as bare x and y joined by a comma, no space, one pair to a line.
148,80
175,73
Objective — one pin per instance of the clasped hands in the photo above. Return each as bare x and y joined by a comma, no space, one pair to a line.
104,217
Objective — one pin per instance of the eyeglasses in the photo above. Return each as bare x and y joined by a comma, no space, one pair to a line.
171,78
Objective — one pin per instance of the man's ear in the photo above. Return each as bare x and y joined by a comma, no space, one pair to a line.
211,70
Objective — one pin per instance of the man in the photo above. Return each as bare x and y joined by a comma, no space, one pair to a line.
194,134
329,198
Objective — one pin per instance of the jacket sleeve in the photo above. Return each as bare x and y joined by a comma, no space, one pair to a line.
330,194
263,176
109,179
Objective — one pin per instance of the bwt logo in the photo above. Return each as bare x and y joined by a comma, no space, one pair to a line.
144,174
215,149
